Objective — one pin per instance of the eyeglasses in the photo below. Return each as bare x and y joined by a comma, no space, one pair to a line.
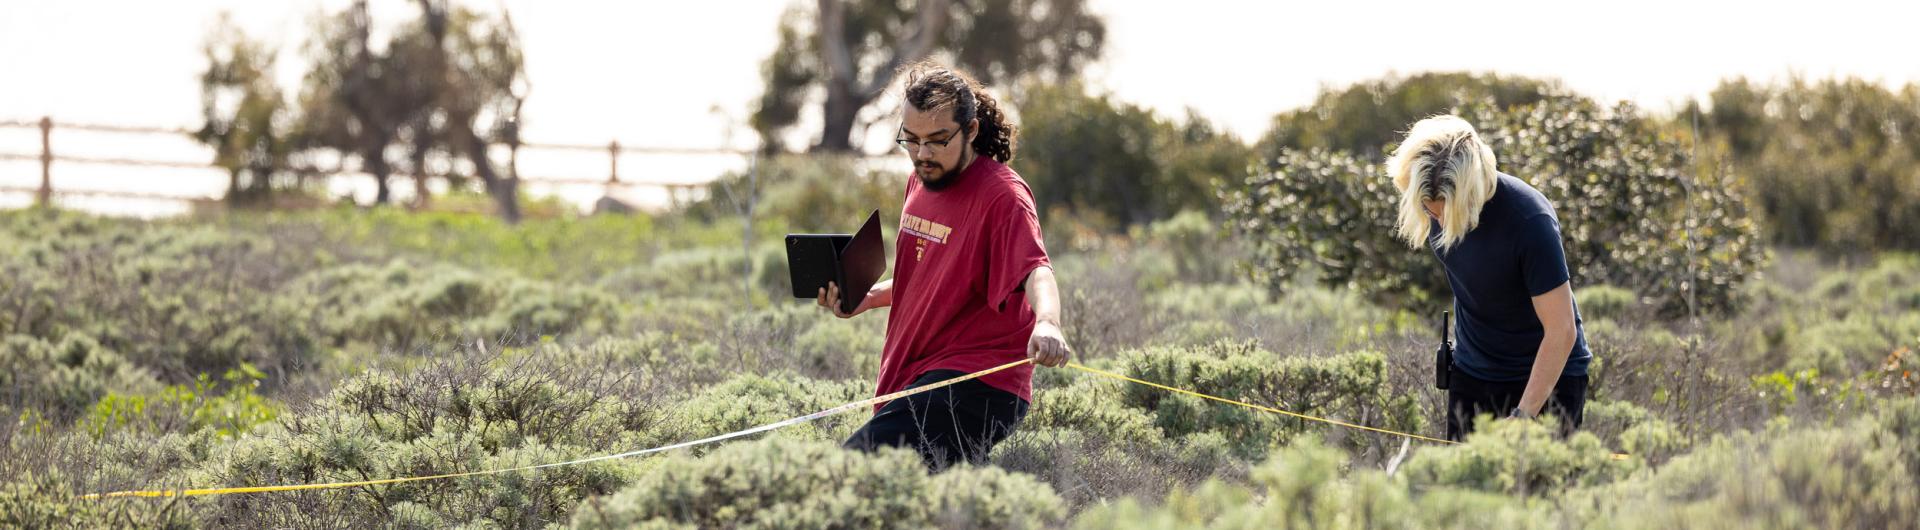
913,146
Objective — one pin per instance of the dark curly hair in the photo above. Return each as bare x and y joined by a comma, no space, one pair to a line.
932,86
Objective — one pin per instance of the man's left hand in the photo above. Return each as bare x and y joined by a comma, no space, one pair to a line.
1047,346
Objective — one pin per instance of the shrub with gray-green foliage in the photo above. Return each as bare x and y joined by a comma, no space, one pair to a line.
1330,214
58,380
1633,429
401,306
1518,458
1860,475
1082,438
1194,241
1634,208
1349,387
1605,301
456,415
1308,485
839,348
49,500
795,484
1843,346
1516,474
177,299
1833,161
751,400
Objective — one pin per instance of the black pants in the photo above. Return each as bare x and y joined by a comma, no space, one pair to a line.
962,421
1468,397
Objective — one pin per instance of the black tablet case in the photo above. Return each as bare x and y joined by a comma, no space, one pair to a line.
853,262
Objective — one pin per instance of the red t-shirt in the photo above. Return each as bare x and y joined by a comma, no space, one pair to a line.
960,255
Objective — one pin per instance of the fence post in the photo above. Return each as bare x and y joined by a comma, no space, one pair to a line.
45,197
613,164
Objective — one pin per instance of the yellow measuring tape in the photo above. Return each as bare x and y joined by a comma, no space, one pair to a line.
869,402
1097,371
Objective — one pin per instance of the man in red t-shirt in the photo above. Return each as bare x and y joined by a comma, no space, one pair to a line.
972,287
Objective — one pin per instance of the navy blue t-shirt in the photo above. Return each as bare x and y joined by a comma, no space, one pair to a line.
1513,255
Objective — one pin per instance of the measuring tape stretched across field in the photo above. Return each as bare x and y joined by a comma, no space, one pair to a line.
869,402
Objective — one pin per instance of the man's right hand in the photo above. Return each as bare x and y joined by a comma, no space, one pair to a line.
830,299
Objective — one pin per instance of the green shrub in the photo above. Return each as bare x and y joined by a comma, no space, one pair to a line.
705,271
842,349
1194,241
558,249
50,500
1859,476
1308,486
228,407
792,484
453,415
1840,347
1517,458
1633,429
177,299
752,400
1088,153
1329,215
1349,387
1605,301
401,306
1832,161
1096,408
58,380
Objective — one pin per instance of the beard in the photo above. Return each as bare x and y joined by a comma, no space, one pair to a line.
946,176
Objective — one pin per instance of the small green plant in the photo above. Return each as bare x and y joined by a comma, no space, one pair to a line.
229,406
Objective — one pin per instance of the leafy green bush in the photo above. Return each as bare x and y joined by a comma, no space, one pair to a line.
401,306
59,380
1195,244
1833,162
1350,387
1634,210
177,299
1605,301
805,194
1633,429
1367,116
1840,347
1307,486
1092,155
842,348
50,500
1859,476
1518,458
450,416
228,408
751,400
791,484
1330,215
565,248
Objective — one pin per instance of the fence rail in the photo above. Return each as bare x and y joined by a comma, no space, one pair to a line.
48,158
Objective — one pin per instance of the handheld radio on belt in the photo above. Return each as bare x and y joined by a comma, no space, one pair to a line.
1443,358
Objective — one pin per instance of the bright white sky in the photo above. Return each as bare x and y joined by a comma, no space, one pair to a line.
653,73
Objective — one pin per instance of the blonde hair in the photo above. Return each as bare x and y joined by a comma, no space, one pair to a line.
1442,158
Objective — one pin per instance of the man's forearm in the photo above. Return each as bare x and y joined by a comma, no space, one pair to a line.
1548,362
881,295
1044,295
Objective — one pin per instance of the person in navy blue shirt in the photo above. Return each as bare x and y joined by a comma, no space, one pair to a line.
1520,350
